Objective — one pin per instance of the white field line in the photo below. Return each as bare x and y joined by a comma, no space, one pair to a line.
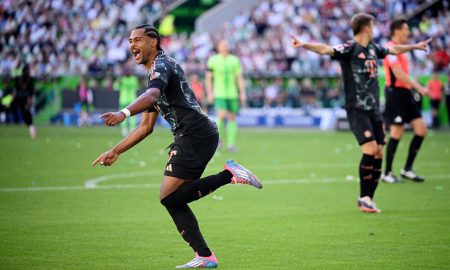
91,184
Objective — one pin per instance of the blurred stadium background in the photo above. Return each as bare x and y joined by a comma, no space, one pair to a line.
78,47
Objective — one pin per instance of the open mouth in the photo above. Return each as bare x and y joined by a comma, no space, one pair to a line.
136,53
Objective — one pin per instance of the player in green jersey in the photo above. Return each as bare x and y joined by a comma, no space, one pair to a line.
225,87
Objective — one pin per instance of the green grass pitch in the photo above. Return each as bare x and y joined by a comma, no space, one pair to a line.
305,217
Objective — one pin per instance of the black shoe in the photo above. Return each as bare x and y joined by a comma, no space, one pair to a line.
411,175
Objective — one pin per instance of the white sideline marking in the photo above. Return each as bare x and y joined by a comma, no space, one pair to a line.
92,183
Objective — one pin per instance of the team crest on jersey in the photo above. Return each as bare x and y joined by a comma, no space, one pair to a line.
398,119
372,51
367,133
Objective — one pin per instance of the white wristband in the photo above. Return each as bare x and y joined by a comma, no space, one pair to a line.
126,112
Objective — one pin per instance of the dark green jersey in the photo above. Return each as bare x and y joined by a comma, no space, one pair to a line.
177,103
360,74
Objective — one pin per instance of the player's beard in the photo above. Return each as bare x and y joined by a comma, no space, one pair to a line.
145,56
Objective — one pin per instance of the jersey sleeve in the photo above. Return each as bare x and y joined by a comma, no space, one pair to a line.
343,51
210,63
159,77
381,51
238,66
151,109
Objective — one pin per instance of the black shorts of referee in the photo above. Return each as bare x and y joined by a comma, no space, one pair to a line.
402,106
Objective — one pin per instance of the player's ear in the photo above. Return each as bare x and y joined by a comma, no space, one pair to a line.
154,42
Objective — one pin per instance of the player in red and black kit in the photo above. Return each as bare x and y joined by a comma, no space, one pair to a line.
359,63
170,95
402,105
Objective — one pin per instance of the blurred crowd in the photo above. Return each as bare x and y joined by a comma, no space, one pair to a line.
294,93
77,37
260,37
70,36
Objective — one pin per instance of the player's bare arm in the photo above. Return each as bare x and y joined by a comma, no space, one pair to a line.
241,86
316,47
142,103
402,76
138,134
209,91
400,48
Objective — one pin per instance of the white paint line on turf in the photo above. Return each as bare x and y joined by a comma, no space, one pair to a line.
91,184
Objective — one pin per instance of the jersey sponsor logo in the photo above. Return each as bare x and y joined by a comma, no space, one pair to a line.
371,66
361,56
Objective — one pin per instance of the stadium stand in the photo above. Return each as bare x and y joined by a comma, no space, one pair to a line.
60,38
91,36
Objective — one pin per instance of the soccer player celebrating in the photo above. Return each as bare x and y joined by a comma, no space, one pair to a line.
225,85
359,61
402,105
195,142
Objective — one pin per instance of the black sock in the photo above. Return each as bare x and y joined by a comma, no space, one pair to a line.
365,175
414,147
184,219
390,152
375,176
187,226
196,189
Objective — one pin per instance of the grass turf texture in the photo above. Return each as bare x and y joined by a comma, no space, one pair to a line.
309,223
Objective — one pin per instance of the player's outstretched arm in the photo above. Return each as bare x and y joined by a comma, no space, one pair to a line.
400,48
138,134
316,47
142,103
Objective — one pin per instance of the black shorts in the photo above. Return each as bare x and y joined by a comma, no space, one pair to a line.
188,156
402,106
435,103
366,126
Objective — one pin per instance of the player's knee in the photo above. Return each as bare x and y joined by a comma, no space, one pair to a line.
419,127
169,201
396,132
371,152
370,148
422,131
379,153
